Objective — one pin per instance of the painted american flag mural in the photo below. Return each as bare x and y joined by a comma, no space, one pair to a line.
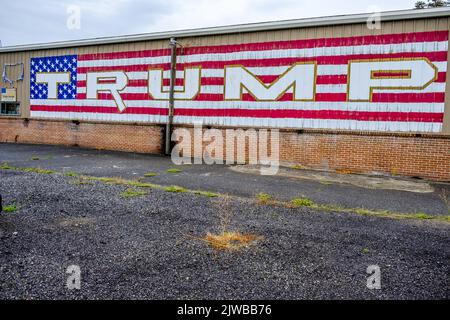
379,83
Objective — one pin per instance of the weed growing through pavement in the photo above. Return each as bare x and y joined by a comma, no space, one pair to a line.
227,239
174,170
302,202
264,198
39,170
423,216
82,182
6,166
225,213
230,240
206,194
150,174
10,208
175,189
71,174
295,203
132,193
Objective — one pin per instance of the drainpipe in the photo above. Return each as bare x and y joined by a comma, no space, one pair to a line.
173,65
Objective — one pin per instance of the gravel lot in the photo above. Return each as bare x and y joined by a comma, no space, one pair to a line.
148,248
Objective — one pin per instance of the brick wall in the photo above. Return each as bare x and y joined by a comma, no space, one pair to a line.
424,156
131,138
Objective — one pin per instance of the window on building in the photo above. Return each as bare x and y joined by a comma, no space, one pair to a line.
10,108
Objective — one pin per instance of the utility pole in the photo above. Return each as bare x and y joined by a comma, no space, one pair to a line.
173,70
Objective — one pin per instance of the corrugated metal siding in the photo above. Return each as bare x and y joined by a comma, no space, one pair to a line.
23,88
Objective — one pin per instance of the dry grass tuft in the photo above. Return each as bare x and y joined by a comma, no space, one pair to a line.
230,240
225,212
224,239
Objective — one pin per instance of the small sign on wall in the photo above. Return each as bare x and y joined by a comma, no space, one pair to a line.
9,95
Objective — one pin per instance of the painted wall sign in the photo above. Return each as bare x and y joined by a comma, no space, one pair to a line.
379,83
9,95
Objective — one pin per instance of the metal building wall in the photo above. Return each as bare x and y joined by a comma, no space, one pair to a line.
419,25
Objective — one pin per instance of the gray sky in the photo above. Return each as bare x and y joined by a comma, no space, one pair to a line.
36,21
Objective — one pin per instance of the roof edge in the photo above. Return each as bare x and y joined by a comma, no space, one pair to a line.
240,28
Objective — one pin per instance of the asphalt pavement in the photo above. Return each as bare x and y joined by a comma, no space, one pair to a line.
152,246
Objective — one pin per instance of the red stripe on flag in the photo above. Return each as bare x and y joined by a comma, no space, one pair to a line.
279,45
260,113
94,109
437,97
322,60
442,77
